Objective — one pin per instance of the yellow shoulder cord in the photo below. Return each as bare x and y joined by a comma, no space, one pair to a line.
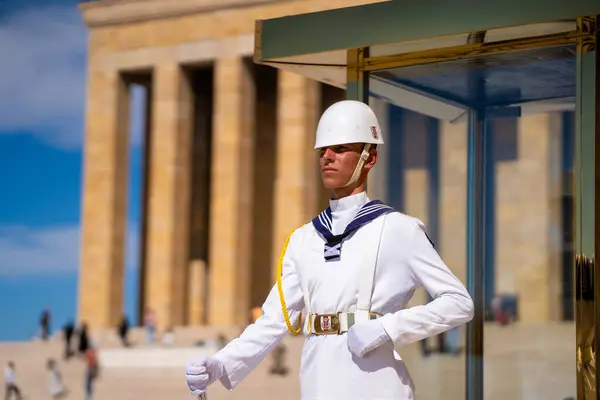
286,315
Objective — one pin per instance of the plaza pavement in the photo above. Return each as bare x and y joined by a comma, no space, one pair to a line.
528,362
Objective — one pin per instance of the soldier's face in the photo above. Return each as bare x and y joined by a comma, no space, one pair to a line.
338,163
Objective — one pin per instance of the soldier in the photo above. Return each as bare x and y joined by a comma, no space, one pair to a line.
353,269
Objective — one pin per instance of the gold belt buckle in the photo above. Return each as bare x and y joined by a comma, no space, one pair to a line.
326,324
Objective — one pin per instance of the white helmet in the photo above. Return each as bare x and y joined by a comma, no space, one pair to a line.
348,121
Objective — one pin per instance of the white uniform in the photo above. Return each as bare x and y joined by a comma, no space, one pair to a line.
329,371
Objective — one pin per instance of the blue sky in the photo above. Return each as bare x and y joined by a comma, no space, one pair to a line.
42,102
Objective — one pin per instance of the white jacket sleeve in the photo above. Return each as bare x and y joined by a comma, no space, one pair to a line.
243,354
451,305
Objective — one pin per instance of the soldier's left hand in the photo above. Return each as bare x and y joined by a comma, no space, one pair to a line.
365,337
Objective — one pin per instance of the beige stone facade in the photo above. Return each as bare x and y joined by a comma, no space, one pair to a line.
231,168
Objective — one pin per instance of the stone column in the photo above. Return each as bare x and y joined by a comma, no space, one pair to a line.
231,193
263,190
416,176
528,250
169,195
104,207
453,197
296,179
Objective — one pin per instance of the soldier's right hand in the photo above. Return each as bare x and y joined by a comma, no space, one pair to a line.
201,372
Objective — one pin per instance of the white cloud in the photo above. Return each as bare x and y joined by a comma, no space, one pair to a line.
26,251
43,77
42,74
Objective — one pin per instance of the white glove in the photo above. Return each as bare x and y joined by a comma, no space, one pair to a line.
201,372
365,337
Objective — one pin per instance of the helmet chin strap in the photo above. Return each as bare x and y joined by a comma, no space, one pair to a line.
364,156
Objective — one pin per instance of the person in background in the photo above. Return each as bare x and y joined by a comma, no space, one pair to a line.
168,338
56,387
221,341
150,325
278,356
92,371
10,383
68,332
123,331
452,341
45,324
84,340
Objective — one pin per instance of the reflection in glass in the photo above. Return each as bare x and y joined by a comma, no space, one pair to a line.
531,81
421,171
530,333
527,100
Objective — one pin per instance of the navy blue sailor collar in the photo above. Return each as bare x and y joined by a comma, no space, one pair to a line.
323,223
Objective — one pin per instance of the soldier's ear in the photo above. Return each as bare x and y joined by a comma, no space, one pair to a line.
372,160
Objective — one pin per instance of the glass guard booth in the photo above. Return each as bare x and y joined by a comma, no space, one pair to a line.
490,116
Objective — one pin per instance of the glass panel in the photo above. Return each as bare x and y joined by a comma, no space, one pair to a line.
422,171
527,98
506,79
529,335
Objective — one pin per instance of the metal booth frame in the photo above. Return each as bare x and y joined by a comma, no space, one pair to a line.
343,42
